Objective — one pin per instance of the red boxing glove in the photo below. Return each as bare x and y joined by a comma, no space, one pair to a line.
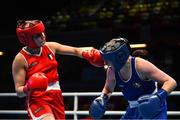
94,57
37,82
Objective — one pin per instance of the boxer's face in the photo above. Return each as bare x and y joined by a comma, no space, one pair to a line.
39,39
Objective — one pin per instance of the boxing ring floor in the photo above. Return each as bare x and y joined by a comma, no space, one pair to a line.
75,112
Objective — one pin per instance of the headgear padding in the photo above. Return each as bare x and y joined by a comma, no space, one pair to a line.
117,51
27,29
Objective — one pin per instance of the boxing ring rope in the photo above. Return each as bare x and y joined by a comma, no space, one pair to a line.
75,110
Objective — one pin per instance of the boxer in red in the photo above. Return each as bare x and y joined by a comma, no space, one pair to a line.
35,74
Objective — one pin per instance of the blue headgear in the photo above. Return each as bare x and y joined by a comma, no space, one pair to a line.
117,51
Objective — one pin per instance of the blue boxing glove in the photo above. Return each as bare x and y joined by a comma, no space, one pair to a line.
98,106
150,105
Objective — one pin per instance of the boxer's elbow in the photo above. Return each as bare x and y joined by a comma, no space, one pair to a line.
174,83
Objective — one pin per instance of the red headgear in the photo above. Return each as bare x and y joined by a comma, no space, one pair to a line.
27,29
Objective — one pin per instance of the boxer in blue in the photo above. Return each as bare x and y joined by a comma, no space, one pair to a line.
137,78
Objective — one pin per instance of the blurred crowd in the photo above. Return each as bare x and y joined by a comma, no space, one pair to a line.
83,14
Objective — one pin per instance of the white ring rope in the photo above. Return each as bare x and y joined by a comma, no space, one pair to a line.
80,112
174,93
75,111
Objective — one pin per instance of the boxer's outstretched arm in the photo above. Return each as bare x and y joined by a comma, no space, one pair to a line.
89,53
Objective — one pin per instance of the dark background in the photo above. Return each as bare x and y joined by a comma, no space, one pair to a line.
71,22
